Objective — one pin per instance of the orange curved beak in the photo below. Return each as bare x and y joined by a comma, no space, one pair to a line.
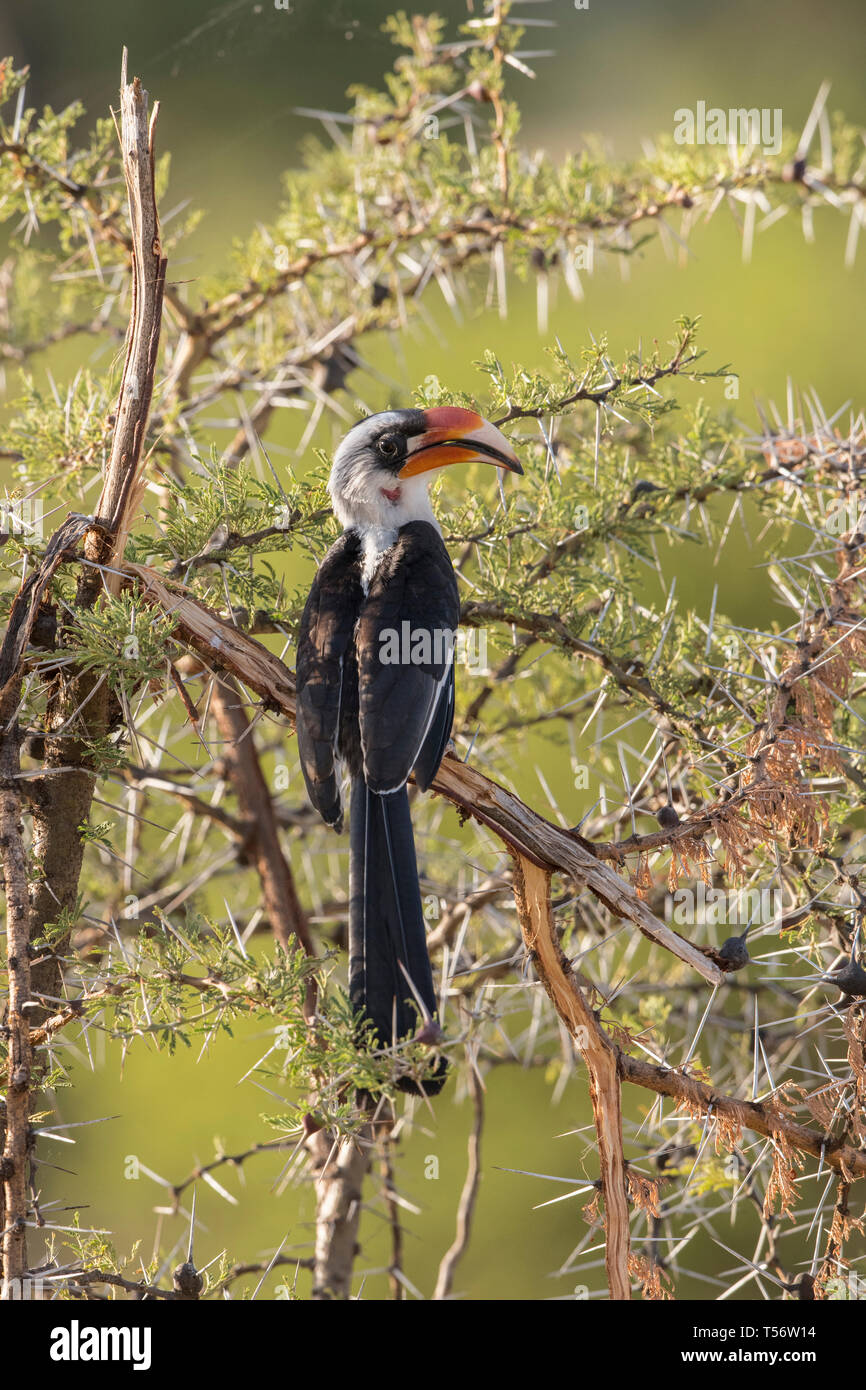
454,435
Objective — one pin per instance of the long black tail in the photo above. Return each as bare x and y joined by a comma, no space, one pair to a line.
389,969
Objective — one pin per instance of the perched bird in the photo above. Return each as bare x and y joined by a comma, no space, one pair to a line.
375,689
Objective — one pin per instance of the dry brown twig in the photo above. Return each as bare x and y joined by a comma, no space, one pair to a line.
532,895
469,1194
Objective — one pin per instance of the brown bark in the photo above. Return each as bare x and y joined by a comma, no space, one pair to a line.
759,1116
15,1163
341,1169
532,896
123,480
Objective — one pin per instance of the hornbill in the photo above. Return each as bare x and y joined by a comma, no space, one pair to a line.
375,690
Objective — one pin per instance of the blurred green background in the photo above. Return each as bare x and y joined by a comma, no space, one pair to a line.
228,77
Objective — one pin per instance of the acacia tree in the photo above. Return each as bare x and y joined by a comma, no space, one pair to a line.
145,681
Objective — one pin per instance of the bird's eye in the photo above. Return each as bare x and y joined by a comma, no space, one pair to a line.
388,446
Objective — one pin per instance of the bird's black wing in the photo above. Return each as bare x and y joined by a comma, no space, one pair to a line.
325,672
406,705
427,763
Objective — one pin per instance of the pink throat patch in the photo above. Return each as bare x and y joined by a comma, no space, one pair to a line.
391,496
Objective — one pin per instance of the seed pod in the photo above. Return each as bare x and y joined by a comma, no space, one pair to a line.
187,1281
734,952
793,172
429,1033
